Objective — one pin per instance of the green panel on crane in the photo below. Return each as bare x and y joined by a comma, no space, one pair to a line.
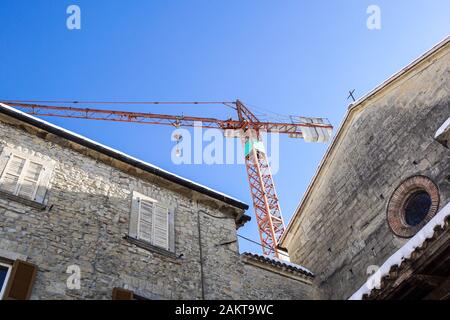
250,144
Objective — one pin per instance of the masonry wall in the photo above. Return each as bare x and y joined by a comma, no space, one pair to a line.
343,226
280,286
87,217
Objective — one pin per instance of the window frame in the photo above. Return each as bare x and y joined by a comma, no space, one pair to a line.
42,183
8,274
22,175
395,211
140,197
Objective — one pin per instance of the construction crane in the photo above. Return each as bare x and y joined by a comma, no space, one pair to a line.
247,127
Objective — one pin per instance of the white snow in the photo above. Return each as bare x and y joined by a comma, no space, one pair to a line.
115,151
403,253
443,128
292,265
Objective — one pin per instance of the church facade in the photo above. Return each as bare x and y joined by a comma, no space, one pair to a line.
376,207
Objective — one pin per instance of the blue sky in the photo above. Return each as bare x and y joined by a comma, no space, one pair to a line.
290,57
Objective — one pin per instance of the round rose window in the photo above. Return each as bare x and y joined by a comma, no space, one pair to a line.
412,205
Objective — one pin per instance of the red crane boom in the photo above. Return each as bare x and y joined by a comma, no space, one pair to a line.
265,200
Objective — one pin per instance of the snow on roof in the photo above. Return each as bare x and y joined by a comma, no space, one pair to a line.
293,265
443,128
405,252
122,154
279,263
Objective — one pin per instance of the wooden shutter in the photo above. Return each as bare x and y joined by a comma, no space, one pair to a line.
20,281
25,175
160,226
4,158
11,175
30,179
122,294
172,230
134,216
151,222
145,220
44,181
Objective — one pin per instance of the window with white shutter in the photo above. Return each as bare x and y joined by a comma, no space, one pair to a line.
145,220
152,222
24,176
29,183
11,175
160,226
21,177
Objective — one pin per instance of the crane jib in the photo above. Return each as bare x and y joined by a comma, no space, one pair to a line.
247,127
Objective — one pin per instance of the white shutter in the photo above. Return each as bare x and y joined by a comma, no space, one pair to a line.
5,155
160,226
29,183
9,183
24,175
11,176
151,222
44,180
145,220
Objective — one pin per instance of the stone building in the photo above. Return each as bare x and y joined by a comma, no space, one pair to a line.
379,199
72,209
377,206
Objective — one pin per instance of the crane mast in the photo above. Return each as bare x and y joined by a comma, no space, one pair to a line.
262,188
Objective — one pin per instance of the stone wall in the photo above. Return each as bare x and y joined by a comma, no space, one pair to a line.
343,227
87,217
282,286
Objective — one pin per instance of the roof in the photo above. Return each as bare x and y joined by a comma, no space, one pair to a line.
410,251
285,265
118,155
442,135
355,106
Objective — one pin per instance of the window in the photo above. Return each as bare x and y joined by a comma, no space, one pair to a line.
24,175
412,205
417,207
151,221
17,280
5,271
123,294
21,177
145,220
